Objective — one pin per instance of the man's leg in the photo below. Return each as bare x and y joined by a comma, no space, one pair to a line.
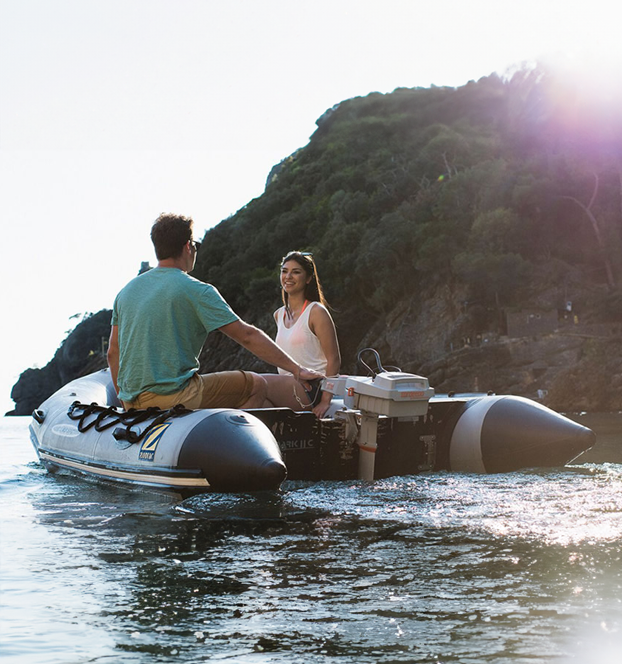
233,389
258,395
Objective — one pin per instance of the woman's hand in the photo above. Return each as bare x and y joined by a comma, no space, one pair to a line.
323,405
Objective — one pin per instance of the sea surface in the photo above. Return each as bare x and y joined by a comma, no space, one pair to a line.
444,567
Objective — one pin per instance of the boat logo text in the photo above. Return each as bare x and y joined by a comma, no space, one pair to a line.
66,430
150,444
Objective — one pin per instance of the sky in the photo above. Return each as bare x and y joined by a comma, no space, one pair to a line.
113,111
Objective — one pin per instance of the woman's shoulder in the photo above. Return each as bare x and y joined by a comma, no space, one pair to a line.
317,307
318,311
315,304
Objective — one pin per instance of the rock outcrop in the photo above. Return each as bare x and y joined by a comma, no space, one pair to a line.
80,353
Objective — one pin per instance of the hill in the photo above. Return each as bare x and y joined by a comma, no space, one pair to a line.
472,234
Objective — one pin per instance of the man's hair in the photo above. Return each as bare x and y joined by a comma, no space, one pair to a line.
169,234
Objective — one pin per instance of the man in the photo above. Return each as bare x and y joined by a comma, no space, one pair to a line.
160,321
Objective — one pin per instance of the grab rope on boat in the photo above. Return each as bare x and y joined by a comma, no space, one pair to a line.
379,367
104,417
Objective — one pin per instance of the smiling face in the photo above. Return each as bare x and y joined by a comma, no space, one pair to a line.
293,277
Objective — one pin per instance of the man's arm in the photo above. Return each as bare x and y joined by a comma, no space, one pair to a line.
260,344
113,355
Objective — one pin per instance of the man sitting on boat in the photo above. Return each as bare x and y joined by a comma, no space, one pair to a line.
160,321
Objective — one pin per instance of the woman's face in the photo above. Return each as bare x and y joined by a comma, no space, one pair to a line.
293,277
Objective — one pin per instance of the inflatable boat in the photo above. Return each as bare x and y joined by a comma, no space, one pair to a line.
385,424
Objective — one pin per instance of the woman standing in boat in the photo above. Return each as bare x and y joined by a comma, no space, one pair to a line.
306,331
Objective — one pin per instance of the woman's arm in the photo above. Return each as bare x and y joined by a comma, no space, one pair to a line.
322,325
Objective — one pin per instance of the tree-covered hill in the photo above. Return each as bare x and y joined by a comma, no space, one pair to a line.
435,213
486,195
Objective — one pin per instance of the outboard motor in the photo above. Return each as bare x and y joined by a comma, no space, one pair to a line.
389,393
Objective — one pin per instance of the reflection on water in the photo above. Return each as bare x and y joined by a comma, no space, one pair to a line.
523,567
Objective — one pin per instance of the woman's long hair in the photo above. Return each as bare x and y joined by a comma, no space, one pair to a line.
313,290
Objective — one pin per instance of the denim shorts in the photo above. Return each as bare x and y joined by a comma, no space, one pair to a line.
315,393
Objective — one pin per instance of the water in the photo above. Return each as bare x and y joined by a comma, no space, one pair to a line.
524,567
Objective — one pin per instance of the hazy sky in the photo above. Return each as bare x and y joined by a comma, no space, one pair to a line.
112,111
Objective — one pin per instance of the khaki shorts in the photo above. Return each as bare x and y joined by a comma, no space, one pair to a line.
223,389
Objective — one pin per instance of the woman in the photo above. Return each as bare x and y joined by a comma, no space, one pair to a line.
306,331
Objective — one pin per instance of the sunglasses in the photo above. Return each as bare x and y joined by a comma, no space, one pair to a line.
195,245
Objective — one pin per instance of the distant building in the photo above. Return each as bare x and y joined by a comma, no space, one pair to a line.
529,322
144,267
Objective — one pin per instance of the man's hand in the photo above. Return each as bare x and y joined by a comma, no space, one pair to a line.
305,375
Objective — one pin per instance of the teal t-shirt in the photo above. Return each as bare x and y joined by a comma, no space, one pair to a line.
164,317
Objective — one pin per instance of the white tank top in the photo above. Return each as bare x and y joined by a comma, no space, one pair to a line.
299,342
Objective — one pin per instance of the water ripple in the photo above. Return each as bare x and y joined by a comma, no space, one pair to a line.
523,567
